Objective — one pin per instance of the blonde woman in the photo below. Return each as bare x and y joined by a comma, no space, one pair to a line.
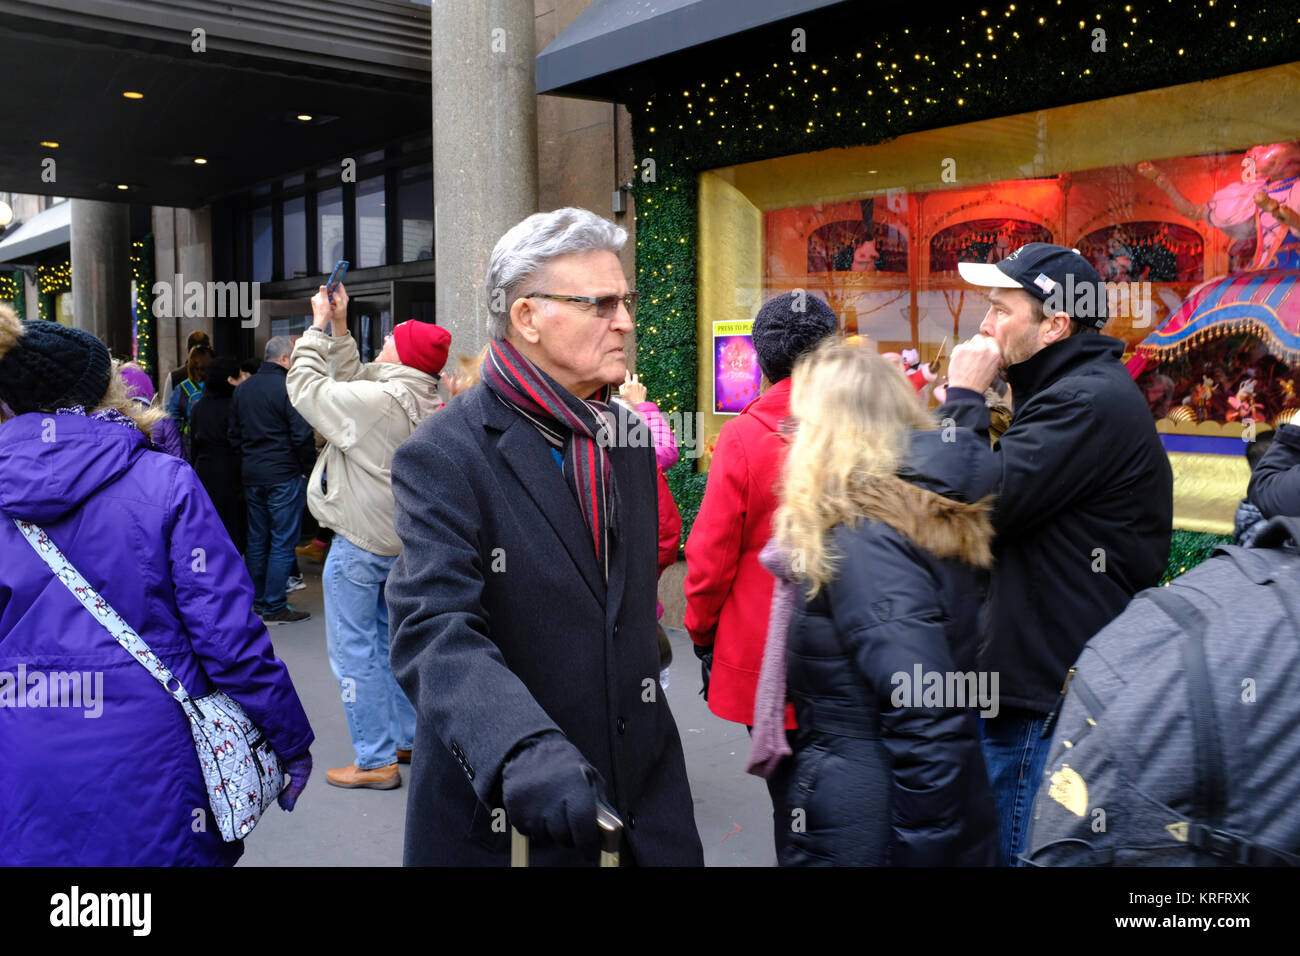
883,529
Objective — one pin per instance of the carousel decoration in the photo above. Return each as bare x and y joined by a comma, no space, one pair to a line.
1145,251
1232,342
869,244
982,240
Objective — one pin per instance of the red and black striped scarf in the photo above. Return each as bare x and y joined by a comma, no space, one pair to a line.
569,424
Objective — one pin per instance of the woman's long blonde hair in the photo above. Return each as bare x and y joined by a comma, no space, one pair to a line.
852,415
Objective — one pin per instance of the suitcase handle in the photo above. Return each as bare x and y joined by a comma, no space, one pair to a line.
611,833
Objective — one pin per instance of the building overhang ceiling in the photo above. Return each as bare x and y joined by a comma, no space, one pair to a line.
233,104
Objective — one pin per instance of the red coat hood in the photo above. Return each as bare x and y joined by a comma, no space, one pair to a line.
772,406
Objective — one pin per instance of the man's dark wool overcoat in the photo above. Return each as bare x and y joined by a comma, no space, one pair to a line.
503,626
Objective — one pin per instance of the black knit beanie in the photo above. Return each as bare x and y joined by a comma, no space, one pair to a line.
788,326
48,366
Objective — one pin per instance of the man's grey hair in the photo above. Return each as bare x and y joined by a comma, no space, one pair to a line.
278,347
526,249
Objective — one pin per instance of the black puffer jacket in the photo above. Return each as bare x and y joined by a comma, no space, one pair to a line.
1084,511
1275,483
882,773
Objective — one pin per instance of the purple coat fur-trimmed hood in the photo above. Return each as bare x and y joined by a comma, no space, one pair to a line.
107,775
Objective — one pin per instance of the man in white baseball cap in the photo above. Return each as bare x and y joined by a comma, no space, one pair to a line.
1085,502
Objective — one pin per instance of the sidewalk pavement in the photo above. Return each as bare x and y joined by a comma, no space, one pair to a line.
335,827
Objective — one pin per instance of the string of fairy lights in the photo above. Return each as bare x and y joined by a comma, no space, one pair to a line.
11,290
142,271
900,71
52,280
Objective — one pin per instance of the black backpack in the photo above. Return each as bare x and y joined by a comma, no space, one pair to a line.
1178,741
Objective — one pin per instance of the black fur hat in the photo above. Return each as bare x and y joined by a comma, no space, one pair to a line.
788,326
45,365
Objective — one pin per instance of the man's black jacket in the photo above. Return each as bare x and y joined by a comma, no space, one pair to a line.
1275,483
1083,516
276,442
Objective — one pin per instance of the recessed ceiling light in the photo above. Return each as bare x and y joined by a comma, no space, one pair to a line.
133,95
123,186
305,117
872,171
200,161
49,144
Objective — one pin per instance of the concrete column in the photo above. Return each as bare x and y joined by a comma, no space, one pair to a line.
484,147
182,243
101,272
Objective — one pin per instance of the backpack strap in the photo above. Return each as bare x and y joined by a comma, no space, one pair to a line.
1211,780
1235,849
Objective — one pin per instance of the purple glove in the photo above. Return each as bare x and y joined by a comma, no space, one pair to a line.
296,771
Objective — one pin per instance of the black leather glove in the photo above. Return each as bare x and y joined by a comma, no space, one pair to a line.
705,654
550,793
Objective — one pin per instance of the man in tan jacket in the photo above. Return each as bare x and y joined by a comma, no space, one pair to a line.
364,412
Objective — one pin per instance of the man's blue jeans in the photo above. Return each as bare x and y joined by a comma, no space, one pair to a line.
380,717
1015,757
274,523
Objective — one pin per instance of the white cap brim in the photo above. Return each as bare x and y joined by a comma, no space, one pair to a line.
986,274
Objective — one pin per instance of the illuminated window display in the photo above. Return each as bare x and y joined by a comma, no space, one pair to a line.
1191,217
1224,347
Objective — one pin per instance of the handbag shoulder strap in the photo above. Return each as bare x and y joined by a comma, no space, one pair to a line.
100,609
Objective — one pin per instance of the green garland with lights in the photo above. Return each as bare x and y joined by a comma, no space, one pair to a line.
12,291
51,281
20,295
142,271
1190,548
907,70
55,279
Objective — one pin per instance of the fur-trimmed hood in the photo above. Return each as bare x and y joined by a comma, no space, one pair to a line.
942,526
942,497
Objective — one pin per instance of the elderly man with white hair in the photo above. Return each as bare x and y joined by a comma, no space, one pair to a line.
523,602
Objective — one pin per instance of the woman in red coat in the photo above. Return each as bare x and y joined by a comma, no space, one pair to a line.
728,593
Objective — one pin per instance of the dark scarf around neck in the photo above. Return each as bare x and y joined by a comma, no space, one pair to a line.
569,424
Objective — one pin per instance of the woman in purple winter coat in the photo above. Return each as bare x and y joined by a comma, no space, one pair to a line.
97,764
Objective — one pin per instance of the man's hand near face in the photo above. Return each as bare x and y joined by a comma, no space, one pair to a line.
974,364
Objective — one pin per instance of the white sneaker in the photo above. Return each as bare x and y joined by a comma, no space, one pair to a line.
294,584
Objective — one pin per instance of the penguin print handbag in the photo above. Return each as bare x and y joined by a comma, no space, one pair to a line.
241,771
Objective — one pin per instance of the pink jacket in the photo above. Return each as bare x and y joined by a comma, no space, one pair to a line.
665,441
